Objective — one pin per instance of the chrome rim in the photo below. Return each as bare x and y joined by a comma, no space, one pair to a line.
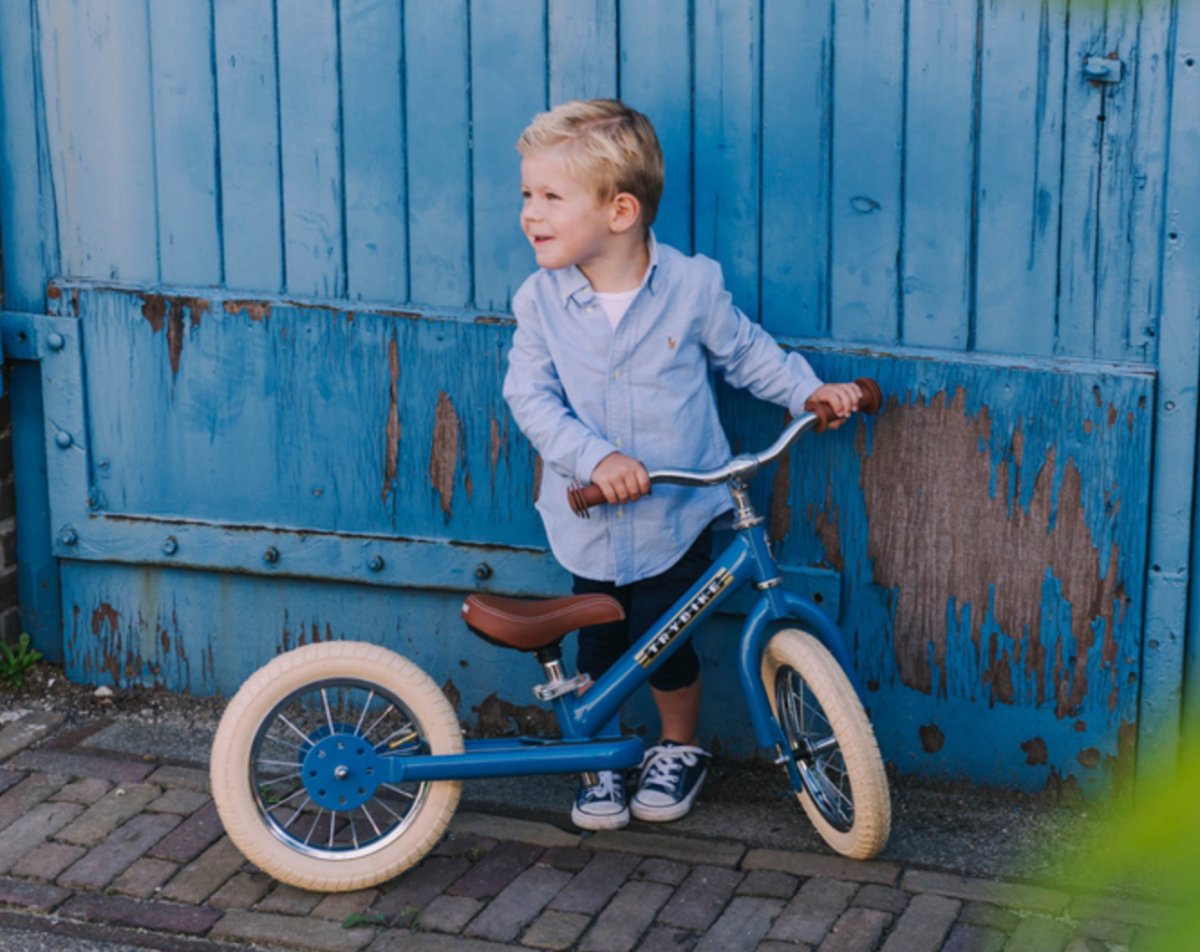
339,712
815,749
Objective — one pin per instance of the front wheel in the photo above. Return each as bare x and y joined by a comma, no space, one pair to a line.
836,770
298,766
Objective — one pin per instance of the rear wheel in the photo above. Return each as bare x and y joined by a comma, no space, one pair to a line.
837,772
299,766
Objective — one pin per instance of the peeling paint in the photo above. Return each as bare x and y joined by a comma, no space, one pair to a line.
780,519
929,476
500,718
1036,752
257,311
161,310
443,455
932,738
391,451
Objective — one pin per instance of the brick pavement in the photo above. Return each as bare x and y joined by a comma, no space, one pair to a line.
111,842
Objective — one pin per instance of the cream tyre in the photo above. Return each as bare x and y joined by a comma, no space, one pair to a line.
844,788
326,698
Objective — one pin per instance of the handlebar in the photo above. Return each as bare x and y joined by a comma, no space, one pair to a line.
743,467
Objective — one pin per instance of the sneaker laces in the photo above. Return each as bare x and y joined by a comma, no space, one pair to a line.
606,789
662,766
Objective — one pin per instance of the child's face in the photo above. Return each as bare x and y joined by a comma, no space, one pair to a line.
562,217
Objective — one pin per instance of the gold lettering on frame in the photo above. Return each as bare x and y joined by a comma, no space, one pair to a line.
672,629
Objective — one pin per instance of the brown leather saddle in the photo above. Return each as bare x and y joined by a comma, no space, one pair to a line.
529,624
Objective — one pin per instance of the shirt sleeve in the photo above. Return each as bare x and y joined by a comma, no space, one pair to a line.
749,357
539,404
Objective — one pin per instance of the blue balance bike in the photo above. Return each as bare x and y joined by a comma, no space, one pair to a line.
337,766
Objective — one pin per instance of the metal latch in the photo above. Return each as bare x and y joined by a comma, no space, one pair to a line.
1103,69
553,689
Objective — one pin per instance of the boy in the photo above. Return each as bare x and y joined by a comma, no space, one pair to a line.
608,375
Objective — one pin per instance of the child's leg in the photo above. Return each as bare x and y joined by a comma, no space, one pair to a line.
679,710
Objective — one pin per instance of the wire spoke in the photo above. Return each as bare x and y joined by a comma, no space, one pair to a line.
366,707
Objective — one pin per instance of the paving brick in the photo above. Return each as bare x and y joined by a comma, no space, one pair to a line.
109,812
968,938
555,930
683,848
143,879
742,925
9,778
470,845
38,897
204,875
856,929
241,891
29,832
48,861
496,870
166,916
768,882
883,898
992,917
570,858
510,828
1015,895
624,920
26,731
770,945
417,887
289,900
595,884
662,871
102,864
179,801
700,898
338,906
187,778
1039,934
813,911
448,913
518,904
1081,943
192,837
402,940
27,793
73,764
923,925
86,791
1121,909
1118,933
814,864
292,932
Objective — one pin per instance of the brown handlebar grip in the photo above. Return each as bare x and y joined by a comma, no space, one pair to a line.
582,498
872,400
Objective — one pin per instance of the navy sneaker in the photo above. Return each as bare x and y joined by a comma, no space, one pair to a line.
601,807
672,775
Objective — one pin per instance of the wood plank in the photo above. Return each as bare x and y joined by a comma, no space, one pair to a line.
248,133
582,49
797,149
1083,134
504,100
867,147
1020,157
373,139
728,139
656,79
95,63
939,167
311,147
185,142
438,157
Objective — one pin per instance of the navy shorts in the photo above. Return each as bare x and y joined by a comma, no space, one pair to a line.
645,601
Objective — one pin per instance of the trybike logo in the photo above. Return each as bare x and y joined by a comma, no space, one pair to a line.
676,625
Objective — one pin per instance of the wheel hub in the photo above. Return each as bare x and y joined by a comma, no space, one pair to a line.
341,772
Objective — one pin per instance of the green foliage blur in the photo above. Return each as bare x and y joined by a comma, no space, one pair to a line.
1151,851
15,662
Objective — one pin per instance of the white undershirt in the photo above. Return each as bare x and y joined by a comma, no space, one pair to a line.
616,303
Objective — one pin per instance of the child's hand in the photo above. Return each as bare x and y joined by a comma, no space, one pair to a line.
621,478
842,397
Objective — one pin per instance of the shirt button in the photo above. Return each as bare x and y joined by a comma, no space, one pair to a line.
620,512
618,442
590,308
616,375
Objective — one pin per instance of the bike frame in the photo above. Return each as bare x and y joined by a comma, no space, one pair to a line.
589,721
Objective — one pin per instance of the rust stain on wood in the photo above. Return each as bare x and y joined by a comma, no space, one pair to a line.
928,477
255,310
780,519
443,455
391,452
161,311
1036,752
500,718
932,738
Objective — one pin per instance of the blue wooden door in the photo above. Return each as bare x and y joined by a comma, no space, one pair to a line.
258,263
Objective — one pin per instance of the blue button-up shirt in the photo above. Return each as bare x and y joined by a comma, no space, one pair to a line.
580,390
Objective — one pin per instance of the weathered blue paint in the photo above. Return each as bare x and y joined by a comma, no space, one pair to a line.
924,175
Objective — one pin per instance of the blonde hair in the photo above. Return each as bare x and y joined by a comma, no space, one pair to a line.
604,143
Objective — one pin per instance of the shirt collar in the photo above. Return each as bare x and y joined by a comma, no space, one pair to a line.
572,283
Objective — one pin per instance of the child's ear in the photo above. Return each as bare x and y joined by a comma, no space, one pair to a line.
624,212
